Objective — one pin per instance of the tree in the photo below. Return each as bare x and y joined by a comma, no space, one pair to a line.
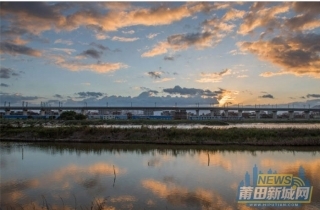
72,115
80,117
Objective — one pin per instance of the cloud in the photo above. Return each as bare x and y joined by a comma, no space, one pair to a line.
299,55
271,74
267,96
307,17
242,76
168,58
75,65
212,32
218,27
191,91
213,77
261,16
91,53
166,79
65,50
148,97
16,98
120,81
19,41
66,42
99,46
313,96
89,94
183,41
128,32
152,35
101,36
124,39
236,52
158,49
4,85
34,18
233,14
6,73
155,74
13,49
58,96
180,42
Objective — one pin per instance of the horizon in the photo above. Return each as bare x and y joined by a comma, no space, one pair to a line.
160,53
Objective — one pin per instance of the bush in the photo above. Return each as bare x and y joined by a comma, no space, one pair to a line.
71,115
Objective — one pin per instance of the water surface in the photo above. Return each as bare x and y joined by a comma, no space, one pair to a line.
85,176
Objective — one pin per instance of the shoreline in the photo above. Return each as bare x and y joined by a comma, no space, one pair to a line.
177,143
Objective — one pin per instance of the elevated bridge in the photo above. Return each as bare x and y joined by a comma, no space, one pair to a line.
239,109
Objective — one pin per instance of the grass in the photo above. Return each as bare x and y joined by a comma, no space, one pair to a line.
163,135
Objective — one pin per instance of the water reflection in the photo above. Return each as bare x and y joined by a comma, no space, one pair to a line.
100,176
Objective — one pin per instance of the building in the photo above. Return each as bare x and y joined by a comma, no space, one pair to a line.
180,115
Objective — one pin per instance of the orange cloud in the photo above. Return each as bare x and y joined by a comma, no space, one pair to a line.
213,77
233,14
181,196
262,17
297,55
78,66
159,49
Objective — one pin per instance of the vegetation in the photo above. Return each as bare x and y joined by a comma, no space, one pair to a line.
72,115
173,135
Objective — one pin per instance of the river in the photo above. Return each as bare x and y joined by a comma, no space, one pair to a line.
124,176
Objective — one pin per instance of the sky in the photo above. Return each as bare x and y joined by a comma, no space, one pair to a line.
160,53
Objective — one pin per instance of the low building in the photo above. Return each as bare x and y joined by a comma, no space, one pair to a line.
180,115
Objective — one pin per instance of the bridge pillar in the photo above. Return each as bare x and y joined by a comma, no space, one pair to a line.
60,111
307,114
291,115
7,111
197,112
25,112
274,115
84,111
42,112
226,113
211,113
258,115
239,113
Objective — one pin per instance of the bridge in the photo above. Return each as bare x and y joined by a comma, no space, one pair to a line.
212,109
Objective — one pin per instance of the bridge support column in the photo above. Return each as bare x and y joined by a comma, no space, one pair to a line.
8,112
60,111
239,113
211,113
42,112
274,115
84,111
258,115
25,112
291,115
226,113
307,115
197,112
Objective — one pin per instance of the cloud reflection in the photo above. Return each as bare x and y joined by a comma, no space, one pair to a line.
181,196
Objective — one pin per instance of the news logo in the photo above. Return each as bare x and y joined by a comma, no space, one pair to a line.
273,189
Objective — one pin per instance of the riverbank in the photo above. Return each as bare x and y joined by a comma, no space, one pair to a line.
147,135
93,122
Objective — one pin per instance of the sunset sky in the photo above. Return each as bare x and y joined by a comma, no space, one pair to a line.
160,52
